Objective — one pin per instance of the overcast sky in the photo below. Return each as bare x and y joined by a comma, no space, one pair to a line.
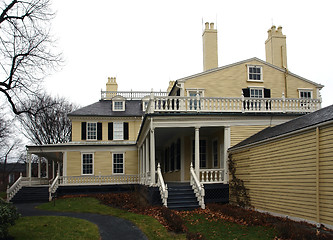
145,44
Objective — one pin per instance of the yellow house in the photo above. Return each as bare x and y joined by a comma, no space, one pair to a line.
288,169
165,142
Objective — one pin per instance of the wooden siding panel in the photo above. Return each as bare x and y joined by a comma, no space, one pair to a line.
239,133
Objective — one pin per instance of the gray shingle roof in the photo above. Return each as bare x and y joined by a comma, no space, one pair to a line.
103,108
311,119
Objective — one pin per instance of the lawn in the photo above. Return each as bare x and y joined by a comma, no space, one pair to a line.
154,230
55,228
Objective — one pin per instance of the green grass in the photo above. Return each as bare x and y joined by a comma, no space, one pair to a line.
52,227
3,195
149,225
228,231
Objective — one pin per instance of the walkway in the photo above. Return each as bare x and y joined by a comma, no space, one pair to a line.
109,227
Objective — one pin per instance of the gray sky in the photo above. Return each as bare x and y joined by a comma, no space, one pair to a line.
147,43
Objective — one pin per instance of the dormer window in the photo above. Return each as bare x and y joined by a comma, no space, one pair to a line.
118,103
255,73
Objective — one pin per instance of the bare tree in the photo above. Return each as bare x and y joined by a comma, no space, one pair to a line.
50,123
27,53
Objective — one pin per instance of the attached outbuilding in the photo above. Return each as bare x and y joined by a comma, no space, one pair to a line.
287,170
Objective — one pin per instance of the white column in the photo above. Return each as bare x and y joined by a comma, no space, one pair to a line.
182,159
47,168
53,169
64,163
58,168
29,165
39,167
147,158
197,152
226,147
152,156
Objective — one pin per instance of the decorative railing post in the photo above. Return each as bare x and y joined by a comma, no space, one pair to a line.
197,187
162,186
283,103
243,103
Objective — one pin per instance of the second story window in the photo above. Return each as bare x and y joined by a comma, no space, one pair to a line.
255,73
307,94
118,131
91,131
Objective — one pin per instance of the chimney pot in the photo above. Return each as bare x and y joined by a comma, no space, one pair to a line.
211,25
206,25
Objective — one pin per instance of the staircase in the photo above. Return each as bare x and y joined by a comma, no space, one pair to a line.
31,194
181,197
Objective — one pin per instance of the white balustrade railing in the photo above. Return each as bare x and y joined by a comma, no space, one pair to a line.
11,191
240,104
197,187
130,95
162,186
211,175
54,186
98,180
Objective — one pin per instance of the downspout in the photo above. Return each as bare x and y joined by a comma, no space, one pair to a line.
317,179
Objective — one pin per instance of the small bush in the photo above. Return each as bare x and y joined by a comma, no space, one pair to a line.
174,221
8,215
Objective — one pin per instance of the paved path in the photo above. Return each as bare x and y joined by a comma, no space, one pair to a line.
109,227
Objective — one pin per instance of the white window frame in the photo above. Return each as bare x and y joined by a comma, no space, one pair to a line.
118,109
113,173
309,90
115,136
261,73
87,130
257,88
201,91
93,160
145,104
217,153
192,154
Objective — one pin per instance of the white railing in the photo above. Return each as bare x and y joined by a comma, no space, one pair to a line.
98,180
162,186
197,187
240,104
131,95
54,186
11,191
211,175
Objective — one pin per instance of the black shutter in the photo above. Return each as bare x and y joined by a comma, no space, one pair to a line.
110,130
125,130
246,92
83,130
267,93
99,131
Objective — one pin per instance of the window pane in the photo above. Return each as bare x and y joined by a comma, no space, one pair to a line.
87,164
118,163
118,131
118,105
91,131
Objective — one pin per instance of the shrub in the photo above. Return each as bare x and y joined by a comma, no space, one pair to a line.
8,215
174,221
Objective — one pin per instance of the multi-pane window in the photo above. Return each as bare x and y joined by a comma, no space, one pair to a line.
305,94
255,73
91,131
202,153
87,163
215,156
118,163
194,102
118,105
118,131
256,92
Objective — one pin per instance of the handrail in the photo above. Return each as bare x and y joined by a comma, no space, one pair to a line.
54,186
98,180
14,188
197,187
162,186
130,95
213,175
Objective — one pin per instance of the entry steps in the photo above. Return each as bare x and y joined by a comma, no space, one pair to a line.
31,194
181,197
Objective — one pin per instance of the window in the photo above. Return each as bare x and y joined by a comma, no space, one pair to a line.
118,163
172,156
87,163
91,131
118,106
194,93
118,131
305,94
254,73
202,153
215,156
178,156
256,92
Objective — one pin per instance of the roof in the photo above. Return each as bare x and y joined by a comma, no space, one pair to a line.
103,108
242,62
312,119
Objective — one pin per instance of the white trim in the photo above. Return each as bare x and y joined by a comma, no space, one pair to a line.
118,101
257,88
93,163
64,164
87,135
200,138
305,90
123,153
201,91
122,124
261,73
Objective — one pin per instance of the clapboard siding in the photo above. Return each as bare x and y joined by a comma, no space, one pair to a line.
281,175
239,133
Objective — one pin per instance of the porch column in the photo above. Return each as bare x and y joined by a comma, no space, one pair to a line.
197,152
225,152
152,156
39,167
29,165
147,159
53,169
58,168
47,168
64,164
